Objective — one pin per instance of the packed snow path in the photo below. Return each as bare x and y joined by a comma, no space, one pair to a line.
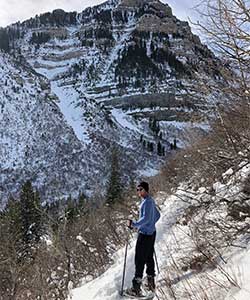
108,285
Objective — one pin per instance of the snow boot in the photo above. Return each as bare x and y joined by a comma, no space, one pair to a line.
135,290
150,284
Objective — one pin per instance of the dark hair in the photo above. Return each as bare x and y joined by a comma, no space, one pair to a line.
144,185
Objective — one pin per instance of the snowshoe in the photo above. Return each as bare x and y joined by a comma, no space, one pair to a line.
133,294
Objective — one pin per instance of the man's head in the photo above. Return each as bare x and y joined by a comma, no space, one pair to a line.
142,189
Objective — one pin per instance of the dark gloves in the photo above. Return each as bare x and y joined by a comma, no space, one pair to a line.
129,224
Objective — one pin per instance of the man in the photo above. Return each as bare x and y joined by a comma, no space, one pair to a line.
144,251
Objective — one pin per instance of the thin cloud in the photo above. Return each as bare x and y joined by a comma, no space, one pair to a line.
184,9
19,10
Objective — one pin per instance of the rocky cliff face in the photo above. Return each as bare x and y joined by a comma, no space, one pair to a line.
77,84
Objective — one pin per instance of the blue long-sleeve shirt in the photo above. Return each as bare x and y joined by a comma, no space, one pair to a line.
149,215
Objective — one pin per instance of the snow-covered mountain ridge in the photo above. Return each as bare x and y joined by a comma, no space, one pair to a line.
120,73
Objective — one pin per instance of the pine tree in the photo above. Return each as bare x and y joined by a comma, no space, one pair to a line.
154,125
152,47
30,215
114,183
159,149
175,144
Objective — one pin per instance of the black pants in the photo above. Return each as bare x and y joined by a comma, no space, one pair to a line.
144,255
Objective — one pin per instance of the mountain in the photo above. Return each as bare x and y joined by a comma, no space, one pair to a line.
76,85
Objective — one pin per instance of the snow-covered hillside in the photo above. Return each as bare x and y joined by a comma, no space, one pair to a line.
46,140
225,276
36,141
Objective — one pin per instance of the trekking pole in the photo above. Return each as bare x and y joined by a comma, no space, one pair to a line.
156,261
124,267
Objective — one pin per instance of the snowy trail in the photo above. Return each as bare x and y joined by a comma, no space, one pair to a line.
108,285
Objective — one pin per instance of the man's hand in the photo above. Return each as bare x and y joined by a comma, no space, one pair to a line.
129,224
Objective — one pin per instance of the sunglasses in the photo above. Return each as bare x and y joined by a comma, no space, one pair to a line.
139,189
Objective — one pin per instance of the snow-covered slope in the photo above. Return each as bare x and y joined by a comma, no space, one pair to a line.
36,141
182,275
57,138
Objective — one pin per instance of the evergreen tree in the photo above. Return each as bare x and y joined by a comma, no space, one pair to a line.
114,183
152,47
154,125
30,215
175,144
159,149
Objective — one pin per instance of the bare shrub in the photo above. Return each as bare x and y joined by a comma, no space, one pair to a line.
72,249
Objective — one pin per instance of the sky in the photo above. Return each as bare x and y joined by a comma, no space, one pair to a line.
12,11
